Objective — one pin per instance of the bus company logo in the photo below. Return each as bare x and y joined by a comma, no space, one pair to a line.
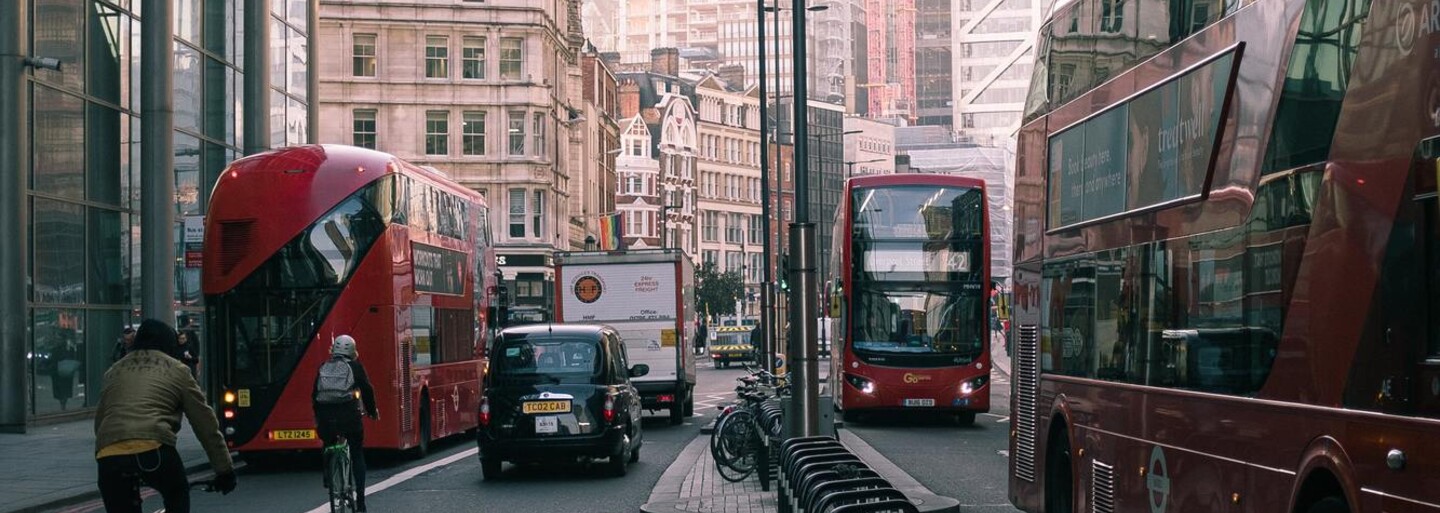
588,288
1158,482
912,378
647,284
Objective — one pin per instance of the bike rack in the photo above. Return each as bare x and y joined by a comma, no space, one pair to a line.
821,475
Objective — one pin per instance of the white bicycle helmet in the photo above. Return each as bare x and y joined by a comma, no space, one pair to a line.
343,345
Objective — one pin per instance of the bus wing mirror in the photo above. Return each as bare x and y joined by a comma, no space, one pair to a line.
639,370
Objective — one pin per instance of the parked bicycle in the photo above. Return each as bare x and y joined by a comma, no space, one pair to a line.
743,426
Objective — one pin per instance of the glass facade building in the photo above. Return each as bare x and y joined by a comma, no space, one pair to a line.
83,197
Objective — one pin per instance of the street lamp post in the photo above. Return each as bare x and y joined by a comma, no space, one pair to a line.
805,401
851,166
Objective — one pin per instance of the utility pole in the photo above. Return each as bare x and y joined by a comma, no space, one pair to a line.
805,398
157,160
767,292
15,160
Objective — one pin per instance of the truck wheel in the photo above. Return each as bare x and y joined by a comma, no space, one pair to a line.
677,408
690,403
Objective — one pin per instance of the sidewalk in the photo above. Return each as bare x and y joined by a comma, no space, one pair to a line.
52,466
998,358
692,484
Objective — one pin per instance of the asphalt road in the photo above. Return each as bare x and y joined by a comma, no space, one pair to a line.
449,479
966,463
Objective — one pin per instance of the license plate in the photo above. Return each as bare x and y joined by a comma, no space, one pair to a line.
546,407
547,425
292,434
919,402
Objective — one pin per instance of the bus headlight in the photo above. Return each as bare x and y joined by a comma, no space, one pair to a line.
970,386
863,385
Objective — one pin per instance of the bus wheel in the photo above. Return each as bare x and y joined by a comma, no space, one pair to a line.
849,416
422,448
1329,505
965,418
1059,482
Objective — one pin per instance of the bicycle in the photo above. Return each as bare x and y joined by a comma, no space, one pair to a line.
207,486
339,478
741,427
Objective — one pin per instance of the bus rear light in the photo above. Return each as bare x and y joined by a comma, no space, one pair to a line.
485,411
229,397
609,410
229,414
666,398
863,385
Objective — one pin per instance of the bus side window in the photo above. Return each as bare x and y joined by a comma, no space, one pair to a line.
1428,375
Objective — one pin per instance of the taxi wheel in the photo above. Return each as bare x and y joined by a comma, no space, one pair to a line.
617,463
1330,505
635,455
490,468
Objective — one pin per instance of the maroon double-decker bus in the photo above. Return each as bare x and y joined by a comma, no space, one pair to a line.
911,293
1227,282
307,243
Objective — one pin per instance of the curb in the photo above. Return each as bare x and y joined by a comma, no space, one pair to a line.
913,490
200,470
666,493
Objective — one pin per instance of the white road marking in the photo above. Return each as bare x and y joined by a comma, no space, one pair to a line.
1003,452
407,475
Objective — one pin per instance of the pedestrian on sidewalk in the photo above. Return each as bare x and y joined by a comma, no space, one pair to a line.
136,423
188,352
702,336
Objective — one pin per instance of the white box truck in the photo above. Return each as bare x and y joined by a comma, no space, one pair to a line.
648,296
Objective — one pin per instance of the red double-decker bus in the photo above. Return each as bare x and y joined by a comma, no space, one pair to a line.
1227,270
910,293
307,243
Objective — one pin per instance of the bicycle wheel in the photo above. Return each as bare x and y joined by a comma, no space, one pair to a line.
715,450
342,484
737,443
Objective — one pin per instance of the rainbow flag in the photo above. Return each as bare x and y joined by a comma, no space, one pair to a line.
610,236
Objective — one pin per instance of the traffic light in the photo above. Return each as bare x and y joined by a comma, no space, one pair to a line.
784,272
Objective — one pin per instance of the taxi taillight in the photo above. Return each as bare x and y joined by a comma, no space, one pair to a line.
485,411
609,410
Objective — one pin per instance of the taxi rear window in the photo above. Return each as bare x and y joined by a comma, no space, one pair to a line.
547,356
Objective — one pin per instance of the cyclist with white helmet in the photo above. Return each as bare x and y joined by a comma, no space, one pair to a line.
342,392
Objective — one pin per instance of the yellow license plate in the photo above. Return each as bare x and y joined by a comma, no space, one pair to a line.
546,407
292,434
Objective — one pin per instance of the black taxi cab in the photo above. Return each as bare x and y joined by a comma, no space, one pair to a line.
559,393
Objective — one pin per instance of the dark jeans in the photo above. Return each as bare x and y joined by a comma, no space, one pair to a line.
161,469
330,425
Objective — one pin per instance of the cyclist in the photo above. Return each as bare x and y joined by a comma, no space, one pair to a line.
337,409
138,418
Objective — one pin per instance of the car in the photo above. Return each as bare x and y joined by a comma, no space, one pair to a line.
560,393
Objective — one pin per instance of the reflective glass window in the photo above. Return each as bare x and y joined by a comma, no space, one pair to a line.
58,360
474,133
187,94
59,251
187,19
109,53
474,58
58,28
437,132
363,55
103,145
363,130
437,57
59,128
109,246
298,67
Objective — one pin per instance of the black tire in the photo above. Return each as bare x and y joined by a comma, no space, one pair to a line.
422,448
635,454
965,418
490,468
1059,478
1330,504
690,403
677,408
849,416
617,463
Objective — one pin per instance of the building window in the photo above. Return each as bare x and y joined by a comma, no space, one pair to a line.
633,185
708,229
517,213
537,215
364,128
634,227
757,229
473,58
473,134
437,57
734,229
437,132
363,55
517,133
538,128
512,58
711,256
